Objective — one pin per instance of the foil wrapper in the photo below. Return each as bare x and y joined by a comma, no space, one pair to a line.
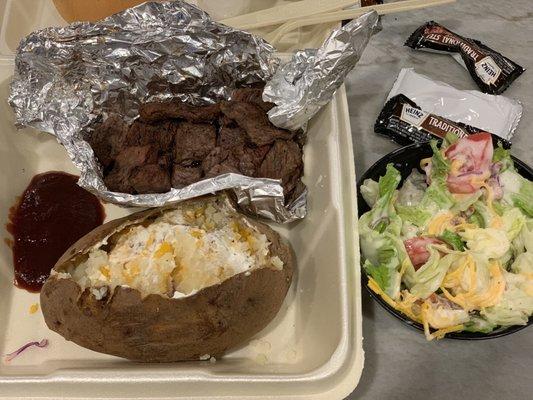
66,78
308,82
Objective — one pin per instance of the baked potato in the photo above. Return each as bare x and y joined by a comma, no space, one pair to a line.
179,283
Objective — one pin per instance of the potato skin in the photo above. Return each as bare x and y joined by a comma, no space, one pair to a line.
161,329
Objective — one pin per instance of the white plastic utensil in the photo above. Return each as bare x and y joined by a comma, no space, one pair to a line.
382,9
280,14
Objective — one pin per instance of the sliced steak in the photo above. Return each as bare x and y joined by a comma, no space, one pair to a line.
220,161
151,178
107,138
240,159
157,111
135,156
129,159
193,142
118,180
183,176
283,161
254,121
230,137
141,134
250,159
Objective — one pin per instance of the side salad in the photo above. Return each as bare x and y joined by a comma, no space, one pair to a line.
452,248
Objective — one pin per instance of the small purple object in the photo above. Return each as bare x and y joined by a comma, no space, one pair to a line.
11,356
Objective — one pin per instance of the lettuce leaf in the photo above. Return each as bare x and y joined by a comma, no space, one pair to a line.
370,191
513,222
379,232
515,306
517,191
502,156
487,241
418,216
478,324
453,239
523,263
412,190
449,139
428,278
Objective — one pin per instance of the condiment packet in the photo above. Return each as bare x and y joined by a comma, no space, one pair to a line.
405,122
491,71
499,115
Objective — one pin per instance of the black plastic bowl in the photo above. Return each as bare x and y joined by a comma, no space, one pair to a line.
404,160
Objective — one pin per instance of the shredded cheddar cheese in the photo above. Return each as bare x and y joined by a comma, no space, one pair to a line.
405,305
456,166
440,223
440,333
470,299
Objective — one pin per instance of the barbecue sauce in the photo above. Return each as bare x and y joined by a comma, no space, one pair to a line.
52,214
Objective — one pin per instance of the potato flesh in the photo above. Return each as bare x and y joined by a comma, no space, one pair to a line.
179,253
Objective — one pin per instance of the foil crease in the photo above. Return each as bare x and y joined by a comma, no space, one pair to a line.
308,82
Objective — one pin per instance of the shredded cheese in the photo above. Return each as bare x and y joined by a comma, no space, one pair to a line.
440,223
456,166
404,305
454,278
439,333
470,299
163,249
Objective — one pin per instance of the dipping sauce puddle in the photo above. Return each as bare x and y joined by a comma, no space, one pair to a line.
52,214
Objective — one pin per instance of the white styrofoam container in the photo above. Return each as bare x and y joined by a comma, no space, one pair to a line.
312,349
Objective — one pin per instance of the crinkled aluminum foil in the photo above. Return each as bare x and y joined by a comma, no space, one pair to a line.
304,85
66,78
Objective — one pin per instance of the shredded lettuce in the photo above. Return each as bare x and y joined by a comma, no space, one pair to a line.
379,232
503,157
418,216
517,191
464,202
513,222
453,239
428,278
523,264
489,241
370,191
479,324
413,189
449,139
516,304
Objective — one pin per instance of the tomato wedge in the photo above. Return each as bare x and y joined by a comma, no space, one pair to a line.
417,249
470,158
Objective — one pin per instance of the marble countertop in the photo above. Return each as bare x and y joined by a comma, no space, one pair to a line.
399,363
